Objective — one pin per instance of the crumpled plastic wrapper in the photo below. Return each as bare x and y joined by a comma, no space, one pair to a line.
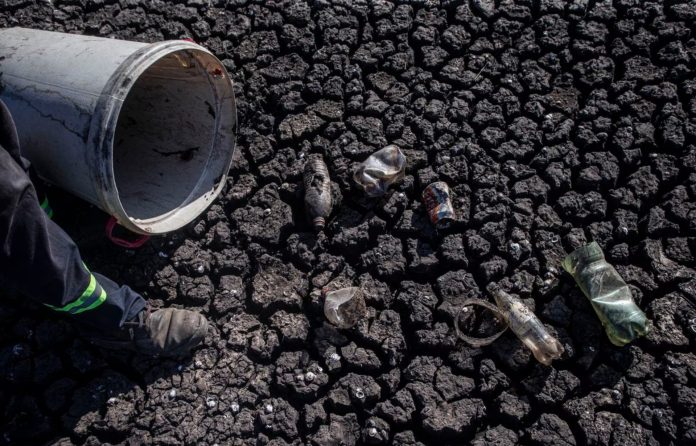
380,170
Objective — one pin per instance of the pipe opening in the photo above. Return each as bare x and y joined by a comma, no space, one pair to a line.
174,140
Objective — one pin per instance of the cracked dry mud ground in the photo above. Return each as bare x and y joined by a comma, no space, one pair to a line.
553,122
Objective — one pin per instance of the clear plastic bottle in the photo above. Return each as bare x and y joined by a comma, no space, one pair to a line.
317,184
344,307
526,326
611,298
380,170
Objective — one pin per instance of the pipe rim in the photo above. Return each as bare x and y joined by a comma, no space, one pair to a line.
104,127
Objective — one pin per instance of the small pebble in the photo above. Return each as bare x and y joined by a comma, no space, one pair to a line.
200,269
269,408
234,407
112,400
309,377
210,402
172,393
372,432
267,212
334,357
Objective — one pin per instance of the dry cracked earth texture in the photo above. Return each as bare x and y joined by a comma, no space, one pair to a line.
553,122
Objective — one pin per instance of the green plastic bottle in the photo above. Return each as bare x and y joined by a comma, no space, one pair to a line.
610,296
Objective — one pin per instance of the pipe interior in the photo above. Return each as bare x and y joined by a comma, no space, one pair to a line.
164,152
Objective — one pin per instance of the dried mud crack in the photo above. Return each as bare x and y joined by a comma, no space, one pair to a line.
553,123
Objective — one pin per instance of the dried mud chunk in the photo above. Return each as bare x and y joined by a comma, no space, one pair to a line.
667,316
386,259
84,414
498,436
278,285
355,391
278,417
549,429
293,327
265,218
360,359
399,409
385,332
422,257
299,126
199,290
512,408
453,419
454,287
551,386
341,430
595,72
452,386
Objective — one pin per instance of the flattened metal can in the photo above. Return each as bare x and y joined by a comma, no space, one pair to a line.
436,198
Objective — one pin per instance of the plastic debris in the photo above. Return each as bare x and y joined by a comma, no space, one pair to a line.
521,320
528,328
210,402
359,393
268,408
436,198
309,377
234,407
344,307
172,393
200,269
380,170
609,295
317,184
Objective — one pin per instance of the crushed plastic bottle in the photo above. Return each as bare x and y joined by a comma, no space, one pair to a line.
380,170
521,320
609,295
317,184
528,328
436,198
344,307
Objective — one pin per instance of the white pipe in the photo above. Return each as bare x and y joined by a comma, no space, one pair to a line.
146,132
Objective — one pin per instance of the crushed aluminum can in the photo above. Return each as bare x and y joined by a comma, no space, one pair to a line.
436,198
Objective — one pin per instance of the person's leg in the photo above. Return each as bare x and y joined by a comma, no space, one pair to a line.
39,260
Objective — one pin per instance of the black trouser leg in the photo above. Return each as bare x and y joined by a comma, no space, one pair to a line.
39,260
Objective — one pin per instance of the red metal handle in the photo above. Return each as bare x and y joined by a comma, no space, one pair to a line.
130,244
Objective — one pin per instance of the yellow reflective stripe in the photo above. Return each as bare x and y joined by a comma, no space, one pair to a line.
95,304
81,300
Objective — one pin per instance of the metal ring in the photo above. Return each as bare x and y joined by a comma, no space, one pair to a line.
478,342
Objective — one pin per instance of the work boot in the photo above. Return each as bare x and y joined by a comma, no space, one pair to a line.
163,332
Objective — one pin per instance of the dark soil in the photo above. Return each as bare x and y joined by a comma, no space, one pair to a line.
553,122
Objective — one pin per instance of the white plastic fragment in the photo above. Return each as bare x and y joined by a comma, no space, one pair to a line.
268,408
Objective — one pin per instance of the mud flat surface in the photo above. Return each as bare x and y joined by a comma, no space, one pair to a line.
553,122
